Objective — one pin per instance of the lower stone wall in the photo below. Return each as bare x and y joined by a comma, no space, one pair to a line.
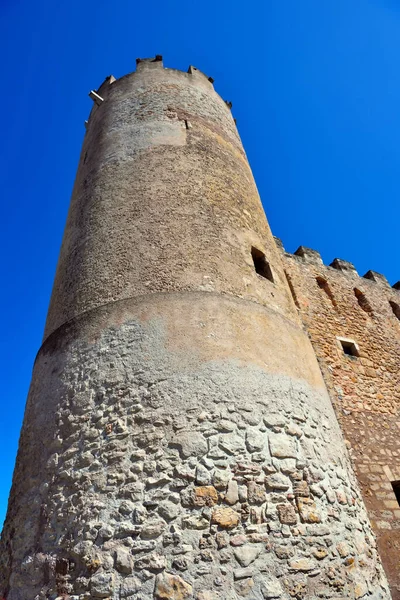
219,481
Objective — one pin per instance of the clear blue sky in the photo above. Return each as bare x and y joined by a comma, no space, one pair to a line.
315,87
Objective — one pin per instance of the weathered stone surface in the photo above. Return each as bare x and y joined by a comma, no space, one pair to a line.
152,529
232,492
123,561
360,589
206,595
243,587
102,585
343,549
221,478
238,540
245,555
243,573
232,443
302,564
151,562
308,510
221,539
171,587
301,488
256,493
168,510
271,588
190,444
277,481
282,446
203,476
255,440
142,546
205,496
225,517
287,514
130,586
195,522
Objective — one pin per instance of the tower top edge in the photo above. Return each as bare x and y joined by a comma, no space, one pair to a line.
153,63
156,63
305,255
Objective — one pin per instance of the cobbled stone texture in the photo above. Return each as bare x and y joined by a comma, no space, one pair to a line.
133,521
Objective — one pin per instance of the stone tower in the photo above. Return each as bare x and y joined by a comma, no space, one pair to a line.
178,440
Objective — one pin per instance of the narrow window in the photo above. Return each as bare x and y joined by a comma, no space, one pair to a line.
395,309
349,347
396,489
324,285
261,264
292,290
362,301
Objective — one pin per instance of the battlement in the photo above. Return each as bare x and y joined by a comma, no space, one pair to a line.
151,69
308,255
147,65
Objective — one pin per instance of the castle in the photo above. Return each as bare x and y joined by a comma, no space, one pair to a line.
209,417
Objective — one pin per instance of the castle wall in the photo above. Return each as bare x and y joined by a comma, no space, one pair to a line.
365,389
178,441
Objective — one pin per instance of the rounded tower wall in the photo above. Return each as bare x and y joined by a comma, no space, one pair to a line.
164,200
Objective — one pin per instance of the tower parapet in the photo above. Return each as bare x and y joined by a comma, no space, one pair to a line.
178,441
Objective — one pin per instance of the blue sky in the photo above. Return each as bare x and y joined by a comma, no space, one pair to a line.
315,87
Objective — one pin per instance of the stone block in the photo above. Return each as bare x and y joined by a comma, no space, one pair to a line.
226,518
205,496
287,514
302,564
232,493
308,510
102,585
247,554
282,446
190,444
171,587
123,561
130,586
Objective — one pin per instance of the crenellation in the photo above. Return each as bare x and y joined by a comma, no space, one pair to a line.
309,255
344,266
104,87
304,254
155,62
199,75
376,277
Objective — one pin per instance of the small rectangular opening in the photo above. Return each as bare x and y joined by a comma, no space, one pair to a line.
396,489
261,264
349,347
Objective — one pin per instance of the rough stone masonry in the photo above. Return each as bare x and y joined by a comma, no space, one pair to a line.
179,441
337,306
